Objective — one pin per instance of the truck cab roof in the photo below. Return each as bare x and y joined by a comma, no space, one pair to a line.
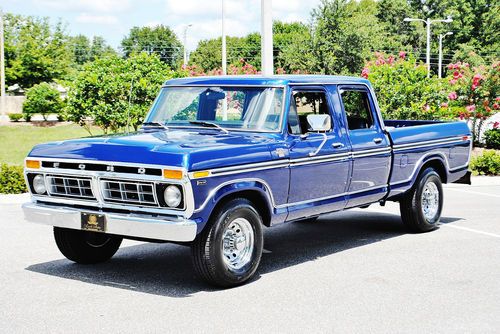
274,80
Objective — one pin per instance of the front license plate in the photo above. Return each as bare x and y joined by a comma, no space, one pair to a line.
93,222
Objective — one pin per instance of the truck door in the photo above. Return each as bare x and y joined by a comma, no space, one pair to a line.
319,163
371,148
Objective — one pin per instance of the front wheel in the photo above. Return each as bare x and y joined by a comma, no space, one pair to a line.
86,247
421,207
228,251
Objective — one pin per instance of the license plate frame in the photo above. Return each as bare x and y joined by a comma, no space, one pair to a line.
93,222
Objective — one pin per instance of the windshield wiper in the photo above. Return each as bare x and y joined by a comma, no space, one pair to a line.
154,125
209,124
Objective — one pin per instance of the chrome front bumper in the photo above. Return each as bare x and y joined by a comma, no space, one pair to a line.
140,226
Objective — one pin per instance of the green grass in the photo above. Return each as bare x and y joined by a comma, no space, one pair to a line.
17,140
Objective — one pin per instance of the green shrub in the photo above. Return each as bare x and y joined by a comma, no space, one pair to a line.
12,180
492,138
15,117
43,99
486,164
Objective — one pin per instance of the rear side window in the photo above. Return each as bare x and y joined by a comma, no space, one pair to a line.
357,109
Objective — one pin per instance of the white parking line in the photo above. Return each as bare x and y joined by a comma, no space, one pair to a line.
473,192
471,230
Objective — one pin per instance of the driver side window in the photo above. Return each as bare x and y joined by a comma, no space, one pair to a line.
302,104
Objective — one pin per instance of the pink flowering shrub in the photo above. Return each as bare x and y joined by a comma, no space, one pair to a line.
405,92
403,89
473,93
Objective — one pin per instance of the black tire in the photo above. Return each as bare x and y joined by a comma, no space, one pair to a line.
86,247
209,260
412,206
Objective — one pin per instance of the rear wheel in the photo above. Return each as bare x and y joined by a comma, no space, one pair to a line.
86,247
422,205
228,251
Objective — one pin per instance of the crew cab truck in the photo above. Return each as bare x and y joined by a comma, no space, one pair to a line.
220,158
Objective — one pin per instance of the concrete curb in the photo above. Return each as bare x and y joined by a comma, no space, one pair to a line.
476,181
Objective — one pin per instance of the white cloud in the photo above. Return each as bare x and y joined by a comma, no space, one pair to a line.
97,19
98,6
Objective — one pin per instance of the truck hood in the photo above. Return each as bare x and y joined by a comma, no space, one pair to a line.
191,149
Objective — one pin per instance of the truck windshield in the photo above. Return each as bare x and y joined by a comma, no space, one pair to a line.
231,108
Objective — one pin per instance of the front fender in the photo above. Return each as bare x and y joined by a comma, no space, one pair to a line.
232,188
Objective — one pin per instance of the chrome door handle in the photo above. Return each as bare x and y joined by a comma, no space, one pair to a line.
337,145
377,140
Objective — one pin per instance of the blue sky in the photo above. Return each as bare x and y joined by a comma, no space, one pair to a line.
112,19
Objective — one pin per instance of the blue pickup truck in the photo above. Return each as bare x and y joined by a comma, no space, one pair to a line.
220,158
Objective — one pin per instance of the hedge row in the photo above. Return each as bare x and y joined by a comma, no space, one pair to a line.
12,180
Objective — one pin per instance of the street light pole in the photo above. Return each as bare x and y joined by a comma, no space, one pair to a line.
428,23
185,43
440,61
2,69
224,56
267,37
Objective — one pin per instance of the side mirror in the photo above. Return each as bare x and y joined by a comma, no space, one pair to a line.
319,123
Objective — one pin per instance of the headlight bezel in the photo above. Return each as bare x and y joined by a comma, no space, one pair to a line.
38,181
160,191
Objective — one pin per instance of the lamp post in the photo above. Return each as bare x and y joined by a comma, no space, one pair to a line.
428,23
440,61
267,37
2,70
185,43
224,56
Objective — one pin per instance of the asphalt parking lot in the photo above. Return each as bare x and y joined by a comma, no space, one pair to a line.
356,271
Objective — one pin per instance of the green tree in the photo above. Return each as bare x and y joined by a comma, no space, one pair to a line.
35,52
43,99
208,54
85,50
337,46
113,92
160,40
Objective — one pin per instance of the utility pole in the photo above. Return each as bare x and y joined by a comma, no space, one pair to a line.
185,43
440,61
2,68
428,23
267,37
224,56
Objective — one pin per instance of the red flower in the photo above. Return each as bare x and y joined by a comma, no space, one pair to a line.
402,54
470,108
453,81
452,96
496,125
496,106
365,72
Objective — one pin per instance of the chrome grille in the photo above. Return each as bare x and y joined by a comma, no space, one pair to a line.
130,192
68,186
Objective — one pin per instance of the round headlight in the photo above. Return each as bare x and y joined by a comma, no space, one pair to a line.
39,185
172,196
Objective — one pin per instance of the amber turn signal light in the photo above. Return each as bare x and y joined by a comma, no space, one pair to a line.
172,174
200,174
33,164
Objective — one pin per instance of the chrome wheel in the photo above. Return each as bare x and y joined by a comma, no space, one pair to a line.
430,200
238,244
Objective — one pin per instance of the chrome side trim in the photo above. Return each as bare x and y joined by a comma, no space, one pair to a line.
402,147
271,197
419,162
141,226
